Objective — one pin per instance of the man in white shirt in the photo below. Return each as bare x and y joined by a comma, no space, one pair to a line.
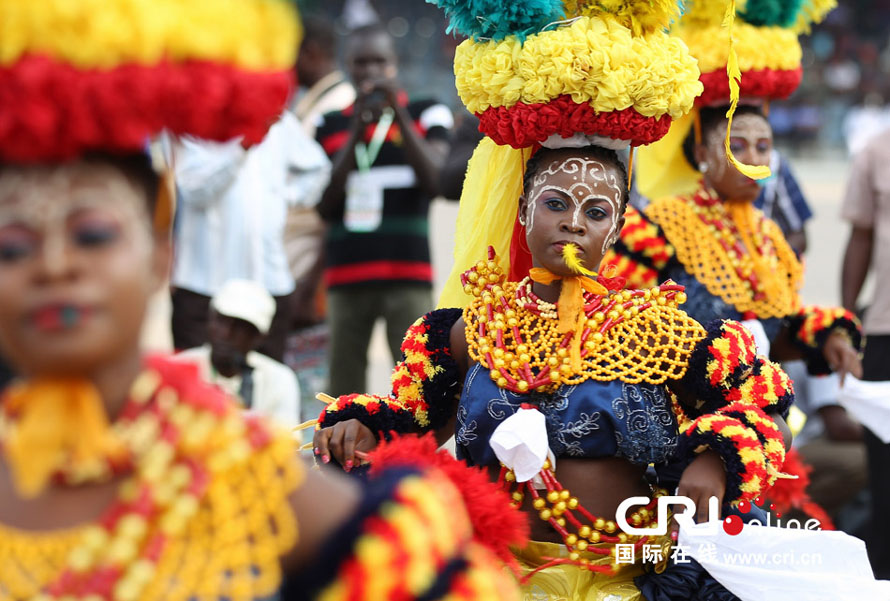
323,88
230,220
240,316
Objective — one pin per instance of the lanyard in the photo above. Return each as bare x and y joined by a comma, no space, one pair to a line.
365,155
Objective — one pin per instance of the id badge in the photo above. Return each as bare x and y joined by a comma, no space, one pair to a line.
364,203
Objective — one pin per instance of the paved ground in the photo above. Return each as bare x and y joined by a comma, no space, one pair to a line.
823,180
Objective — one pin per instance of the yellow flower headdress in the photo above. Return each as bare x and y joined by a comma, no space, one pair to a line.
556,73
748,52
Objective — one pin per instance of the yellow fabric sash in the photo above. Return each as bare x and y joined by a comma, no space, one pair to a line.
570,307
57,425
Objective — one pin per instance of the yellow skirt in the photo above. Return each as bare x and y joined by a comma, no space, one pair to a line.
571,582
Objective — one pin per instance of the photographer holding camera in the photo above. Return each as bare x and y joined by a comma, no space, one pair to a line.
386,154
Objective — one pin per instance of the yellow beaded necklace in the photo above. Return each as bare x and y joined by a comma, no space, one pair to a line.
207,496
631,335
731,248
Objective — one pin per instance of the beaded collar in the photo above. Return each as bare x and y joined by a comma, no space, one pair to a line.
731,248
632,335
207,494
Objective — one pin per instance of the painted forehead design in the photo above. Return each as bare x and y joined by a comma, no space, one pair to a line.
34,195
748,126
585,174
751,127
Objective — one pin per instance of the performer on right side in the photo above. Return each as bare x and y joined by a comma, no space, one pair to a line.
701,228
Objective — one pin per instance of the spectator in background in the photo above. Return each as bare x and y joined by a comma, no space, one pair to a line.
464,139
240,316
782,200
323,88
230,223
386,154
831,441
864,121
867,208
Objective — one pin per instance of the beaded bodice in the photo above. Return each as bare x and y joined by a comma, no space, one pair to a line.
591,419
704,306
612,402
735,252
207,495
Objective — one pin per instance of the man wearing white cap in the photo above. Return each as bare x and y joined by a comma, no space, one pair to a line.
240,316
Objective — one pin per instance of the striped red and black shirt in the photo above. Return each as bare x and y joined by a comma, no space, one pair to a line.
398,251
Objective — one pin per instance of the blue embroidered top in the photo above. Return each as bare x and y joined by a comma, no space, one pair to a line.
592,419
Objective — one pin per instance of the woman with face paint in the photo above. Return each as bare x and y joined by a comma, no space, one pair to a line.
559,383
124,476
701,228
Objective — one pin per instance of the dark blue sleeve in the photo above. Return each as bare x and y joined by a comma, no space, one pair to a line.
795,194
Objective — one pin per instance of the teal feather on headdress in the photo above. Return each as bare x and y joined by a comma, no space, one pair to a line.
497,19
778,13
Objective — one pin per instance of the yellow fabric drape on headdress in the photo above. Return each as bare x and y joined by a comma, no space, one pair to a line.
59,424
735,76
662,169
488,207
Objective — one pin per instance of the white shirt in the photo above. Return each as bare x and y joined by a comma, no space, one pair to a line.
276,393
232,206
333,92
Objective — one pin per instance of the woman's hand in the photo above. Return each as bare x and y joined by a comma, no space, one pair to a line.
702,479
841,356
342,440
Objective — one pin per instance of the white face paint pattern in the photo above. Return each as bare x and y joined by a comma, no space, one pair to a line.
35,197
585,173
714,142
749,127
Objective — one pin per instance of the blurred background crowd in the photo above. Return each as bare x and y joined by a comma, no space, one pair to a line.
282,289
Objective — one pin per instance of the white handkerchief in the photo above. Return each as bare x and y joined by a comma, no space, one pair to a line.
520,443
777,564
868,402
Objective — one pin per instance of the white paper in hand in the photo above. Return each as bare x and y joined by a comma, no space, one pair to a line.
520,443
777,564
869,403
